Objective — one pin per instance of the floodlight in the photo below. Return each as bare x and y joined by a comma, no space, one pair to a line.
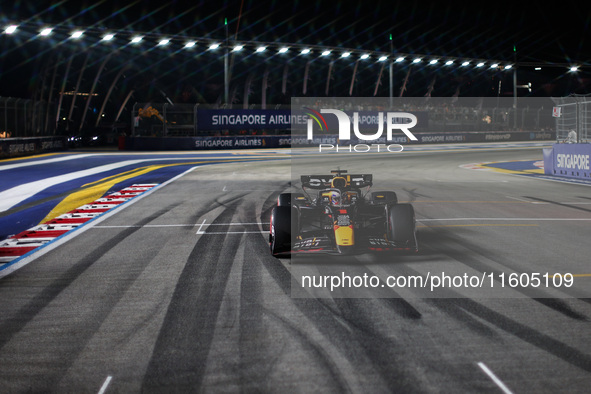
10,29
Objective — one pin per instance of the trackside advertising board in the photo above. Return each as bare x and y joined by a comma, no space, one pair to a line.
278,119
570,160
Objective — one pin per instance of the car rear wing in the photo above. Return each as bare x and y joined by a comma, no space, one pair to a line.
324,181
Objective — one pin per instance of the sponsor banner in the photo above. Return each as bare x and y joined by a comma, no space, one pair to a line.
286,141
245,119
571,160
207,143
279,119
12,147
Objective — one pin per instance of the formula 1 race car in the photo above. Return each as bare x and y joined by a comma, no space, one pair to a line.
337,214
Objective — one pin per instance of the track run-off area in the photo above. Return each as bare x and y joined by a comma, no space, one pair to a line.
173,288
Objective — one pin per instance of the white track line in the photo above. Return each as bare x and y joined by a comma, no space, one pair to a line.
231,232
505,219
41,162
105,385
181,225
494,378
200,227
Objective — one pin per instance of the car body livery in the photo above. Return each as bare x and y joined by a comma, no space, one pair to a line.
337,214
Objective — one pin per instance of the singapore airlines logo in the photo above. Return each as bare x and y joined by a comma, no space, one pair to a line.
402,121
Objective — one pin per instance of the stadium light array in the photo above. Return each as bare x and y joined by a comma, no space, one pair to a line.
260,47
10,29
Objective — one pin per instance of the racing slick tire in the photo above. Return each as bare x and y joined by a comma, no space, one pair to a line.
401,226
286,199
385,197
280,230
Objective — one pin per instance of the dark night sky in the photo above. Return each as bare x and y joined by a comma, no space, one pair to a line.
554,32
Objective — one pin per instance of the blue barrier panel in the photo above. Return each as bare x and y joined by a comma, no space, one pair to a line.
243,119
207,143
286,141
13,147
571,160
283,119
548,161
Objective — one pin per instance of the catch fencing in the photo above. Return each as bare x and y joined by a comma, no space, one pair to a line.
26,118
573,113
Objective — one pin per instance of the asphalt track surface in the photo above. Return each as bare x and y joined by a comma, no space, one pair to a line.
177,291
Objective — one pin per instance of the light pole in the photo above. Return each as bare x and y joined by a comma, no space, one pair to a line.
391,72
226,75
514,87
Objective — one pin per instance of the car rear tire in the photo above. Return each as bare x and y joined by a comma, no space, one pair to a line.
385,197
280,230
286,199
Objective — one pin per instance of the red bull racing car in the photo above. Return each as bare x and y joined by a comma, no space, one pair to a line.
337,214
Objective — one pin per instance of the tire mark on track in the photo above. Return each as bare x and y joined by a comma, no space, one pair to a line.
345,328
542,341
559,204
180,354
67,347
537,295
